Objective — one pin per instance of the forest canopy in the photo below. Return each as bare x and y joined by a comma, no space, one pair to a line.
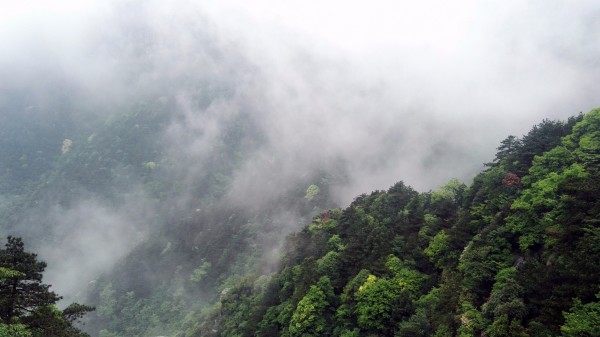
516,253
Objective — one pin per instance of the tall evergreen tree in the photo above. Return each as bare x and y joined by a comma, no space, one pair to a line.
26,302
24,291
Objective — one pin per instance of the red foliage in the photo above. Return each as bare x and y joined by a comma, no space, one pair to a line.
511,179
325,216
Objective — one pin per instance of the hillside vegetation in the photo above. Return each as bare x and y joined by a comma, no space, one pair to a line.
516,253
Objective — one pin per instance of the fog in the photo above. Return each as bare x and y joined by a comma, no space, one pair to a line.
388,90
91,237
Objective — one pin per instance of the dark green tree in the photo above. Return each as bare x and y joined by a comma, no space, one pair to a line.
24,292
24,299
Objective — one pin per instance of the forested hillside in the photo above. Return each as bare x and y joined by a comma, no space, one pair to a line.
516,253
114,191
195,168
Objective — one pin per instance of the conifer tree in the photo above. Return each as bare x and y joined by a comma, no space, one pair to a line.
28,304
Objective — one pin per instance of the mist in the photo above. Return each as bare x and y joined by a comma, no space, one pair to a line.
90,237
385,90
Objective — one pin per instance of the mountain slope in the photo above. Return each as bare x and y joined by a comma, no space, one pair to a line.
514,254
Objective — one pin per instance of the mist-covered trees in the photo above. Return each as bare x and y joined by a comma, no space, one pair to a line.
27,306
514,254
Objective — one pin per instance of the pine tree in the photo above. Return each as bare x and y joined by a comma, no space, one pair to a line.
27,303
24,291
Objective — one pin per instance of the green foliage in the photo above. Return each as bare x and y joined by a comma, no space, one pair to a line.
555,160
439,250
14,330
374,303
582,319
506,297
309,318
505,327
7,273
471,321
106,307
482,259
501,257
516,155
26,304
335,243
329,264
453,191
350,333
426,319
404,276
311,192
585,139
23,292
199,273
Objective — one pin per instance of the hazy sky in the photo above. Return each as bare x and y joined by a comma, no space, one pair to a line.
420,91
445,81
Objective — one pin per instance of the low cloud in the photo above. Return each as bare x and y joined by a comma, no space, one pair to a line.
88,238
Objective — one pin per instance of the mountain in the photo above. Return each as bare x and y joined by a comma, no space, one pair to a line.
161,247
145,231
513,254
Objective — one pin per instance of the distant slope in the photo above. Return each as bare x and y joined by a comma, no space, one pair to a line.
123,215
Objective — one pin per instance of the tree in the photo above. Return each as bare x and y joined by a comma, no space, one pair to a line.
22,293
507,148
439,250
380,302
374,303
26,302
310,316
582,319
311,192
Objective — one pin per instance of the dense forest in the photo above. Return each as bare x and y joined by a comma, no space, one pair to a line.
133,207
515,253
